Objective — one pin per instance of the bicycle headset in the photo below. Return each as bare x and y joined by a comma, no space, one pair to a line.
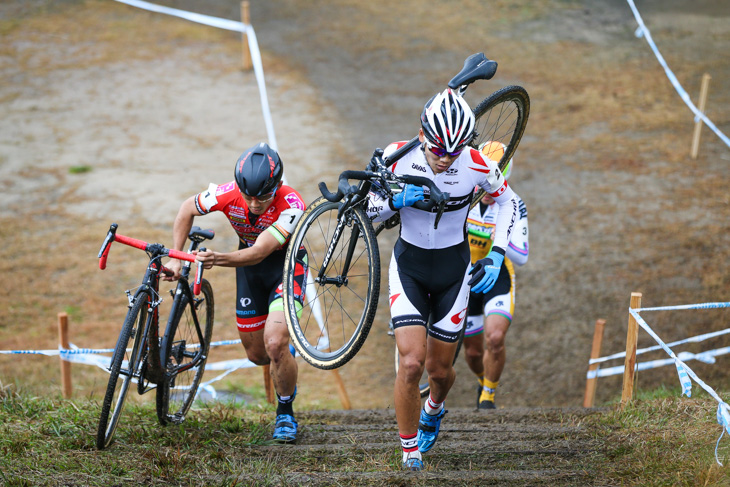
258,170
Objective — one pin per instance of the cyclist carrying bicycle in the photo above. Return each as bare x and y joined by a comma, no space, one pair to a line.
263,212
497,304
429,268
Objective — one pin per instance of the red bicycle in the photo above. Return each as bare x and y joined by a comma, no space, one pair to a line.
172,364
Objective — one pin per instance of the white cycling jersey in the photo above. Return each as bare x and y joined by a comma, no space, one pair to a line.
470,169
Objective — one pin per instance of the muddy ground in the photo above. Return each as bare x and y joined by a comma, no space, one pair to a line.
518,446
615,203
113,114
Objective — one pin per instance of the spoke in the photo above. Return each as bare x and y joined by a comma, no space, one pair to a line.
335,300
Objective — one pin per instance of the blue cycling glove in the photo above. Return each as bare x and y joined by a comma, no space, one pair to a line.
410,194
486,271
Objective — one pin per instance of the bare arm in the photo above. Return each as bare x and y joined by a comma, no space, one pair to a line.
180,230
265,244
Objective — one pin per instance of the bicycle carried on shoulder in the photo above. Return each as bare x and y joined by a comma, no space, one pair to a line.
172,364
342,251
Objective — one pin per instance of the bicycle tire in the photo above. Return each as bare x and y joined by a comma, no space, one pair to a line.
336,317
119,376
181,345
501,117
423,387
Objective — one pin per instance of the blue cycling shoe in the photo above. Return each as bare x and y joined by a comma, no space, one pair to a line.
285,430
413,464
428,429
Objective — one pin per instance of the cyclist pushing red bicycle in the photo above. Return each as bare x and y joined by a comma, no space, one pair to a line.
263,212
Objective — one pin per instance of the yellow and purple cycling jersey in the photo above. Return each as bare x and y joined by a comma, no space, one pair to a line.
500,299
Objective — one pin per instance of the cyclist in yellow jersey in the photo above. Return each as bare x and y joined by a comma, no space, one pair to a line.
497,304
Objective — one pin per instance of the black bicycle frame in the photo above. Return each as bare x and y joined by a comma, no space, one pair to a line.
151,282
476,66
184,288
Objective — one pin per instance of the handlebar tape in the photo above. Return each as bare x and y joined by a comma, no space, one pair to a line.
198,276
343,187
139,244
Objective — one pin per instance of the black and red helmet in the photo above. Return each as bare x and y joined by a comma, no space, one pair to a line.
258,170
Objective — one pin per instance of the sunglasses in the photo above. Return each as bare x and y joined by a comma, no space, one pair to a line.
439,152
264,198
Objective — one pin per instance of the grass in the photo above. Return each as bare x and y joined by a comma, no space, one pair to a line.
659,439
79,169
663,439
46,441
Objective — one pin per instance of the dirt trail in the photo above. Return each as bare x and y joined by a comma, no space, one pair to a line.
520,446
155,108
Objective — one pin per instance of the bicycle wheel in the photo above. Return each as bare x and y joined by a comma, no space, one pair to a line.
340,300
423,386
501,117
124,365
184,351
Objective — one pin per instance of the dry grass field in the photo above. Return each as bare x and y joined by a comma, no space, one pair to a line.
113,114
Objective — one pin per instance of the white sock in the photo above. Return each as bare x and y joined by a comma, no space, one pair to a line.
432,407
413,454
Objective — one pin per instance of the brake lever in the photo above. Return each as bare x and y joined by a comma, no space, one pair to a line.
439,213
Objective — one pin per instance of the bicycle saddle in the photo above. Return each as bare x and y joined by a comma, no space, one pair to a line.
476,66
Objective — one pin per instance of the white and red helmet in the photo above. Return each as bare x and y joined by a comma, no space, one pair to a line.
447,121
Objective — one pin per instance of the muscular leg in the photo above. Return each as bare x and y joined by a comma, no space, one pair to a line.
253,343
495,355
440,368
474,353
284,368
411,342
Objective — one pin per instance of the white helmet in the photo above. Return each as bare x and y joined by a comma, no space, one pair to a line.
495,150
447,121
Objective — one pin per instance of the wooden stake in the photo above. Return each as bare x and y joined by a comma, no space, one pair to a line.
591,384
245,19
701,107
344,399
268,384
65,365
632,337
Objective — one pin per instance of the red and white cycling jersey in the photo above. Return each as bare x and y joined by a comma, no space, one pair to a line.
279,220
468,170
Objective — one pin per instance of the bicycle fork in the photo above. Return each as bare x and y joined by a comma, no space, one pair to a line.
150,368
341,279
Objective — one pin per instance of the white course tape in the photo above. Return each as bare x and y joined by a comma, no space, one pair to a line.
87,356
707,357
193,17
642,31
685,374
723,416
695,339
687,306
227,25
